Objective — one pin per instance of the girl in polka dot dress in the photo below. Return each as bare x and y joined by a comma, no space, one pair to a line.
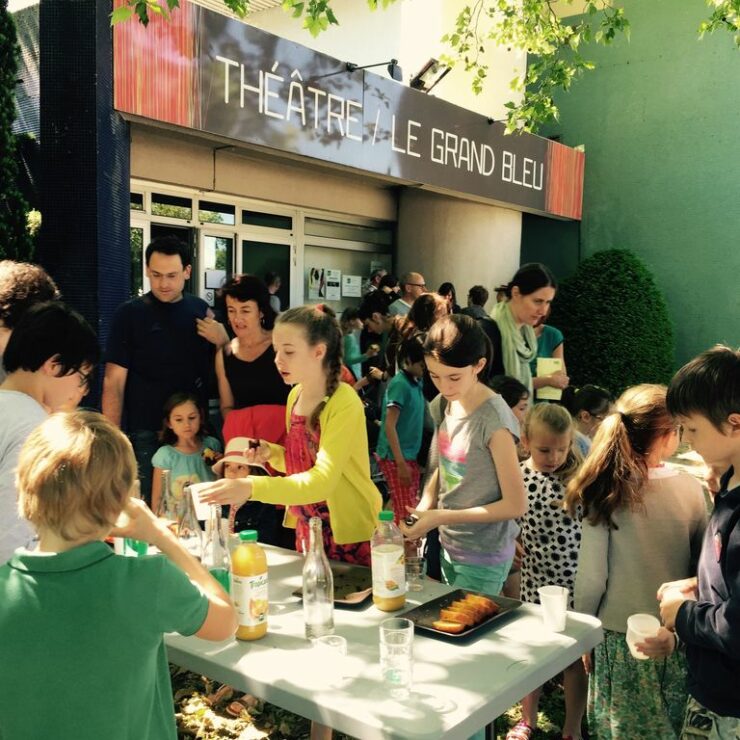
550,539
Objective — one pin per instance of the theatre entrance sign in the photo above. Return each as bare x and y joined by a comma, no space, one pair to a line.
204,71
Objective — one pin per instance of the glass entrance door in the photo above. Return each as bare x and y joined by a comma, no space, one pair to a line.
258,257
215,263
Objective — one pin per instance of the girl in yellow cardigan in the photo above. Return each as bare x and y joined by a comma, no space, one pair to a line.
326,453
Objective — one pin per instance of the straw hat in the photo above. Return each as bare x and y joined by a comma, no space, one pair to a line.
234,453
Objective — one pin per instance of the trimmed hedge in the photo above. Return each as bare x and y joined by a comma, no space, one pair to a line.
615,321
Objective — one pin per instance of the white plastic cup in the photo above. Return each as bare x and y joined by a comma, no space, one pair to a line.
397,655
639,627
554,601
202,510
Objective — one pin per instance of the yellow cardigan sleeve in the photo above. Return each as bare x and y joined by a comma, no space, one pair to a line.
340,419
277,457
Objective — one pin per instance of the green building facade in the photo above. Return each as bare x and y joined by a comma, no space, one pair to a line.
660,121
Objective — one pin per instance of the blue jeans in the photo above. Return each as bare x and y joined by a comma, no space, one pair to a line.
145,444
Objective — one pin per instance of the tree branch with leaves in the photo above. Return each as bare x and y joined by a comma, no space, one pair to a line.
554,47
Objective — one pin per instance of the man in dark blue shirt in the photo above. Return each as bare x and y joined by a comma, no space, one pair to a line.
159,344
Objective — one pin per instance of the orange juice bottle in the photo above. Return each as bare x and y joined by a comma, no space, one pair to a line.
249,586
388,565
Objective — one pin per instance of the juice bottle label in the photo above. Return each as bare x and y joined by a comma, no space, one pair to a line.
249,594
389,571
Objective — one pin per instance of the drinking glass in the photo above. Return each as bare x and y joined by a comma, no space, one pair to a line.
415,573
331,658
396,655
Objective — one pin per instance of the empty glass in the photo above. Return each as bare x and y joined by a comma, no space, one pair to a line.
397,655
415,567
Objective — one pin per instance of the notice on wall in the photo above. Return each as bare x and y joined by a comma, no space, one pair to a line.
352,286
333,285
316,283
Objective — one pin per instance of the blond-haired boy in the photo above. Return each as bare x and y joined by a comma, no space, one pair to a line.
87,624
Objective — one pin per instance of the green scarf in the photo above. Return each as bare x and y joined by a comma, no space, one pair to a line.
518,346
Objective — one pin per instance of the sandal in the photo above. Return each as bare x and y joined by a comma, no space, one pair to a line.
242,704
223,693
520,731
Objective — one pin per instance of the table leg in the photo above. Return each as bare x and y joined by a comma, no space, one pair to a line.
320,732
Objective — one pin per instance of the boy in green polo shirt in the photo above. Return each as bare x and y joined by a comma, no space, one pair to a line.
80,624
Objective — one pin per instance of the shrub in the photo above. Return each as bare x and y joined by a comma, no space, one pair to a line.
15,241
615,321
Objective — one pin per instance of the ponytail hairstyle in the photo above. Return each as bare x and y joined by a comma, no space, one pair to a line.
530,278
458,341
320,328
556,420
615,470
591,398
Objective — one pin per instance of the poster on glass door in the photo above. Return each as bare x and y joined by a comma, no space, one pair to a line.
333,285
316,283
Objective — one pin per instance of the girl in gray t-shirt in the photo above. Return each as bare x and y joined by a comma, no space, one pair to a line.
475,490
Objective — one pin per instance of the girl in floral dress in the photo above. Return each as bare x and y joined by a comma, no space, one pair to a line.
325,456
643,524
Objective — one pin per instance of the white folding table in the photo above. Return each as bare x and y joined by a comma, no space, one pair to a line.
458,688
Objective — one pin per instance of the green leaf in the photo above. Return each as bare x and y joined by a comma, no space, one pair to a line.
121,14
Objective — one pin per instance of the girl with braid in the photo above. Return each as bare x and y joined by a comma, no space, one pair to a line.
325,457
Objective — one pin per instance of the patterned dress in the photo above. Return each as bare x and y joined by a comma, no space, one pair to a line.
551,539
301,448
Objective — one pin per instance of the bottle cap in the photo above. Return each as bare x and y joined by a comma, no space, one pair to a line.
385,516
248,535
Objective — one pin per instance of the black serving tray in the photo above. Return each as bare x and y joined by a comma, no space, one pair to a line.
423,616
353,584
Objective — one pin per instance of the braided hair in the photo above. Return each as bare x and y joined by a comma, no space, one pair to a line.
321,327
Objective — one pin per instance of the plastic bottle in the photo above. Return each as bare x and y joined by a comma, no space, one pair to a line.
249,586
388,564
318,586
216,556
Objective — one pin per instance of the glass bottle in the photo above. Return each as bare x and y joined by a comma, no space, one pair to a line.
188,529
388,564
216,556
167,504
318,585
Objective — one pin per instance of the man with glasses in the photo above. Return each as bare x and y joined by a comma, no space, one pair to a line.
49,358
412,285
